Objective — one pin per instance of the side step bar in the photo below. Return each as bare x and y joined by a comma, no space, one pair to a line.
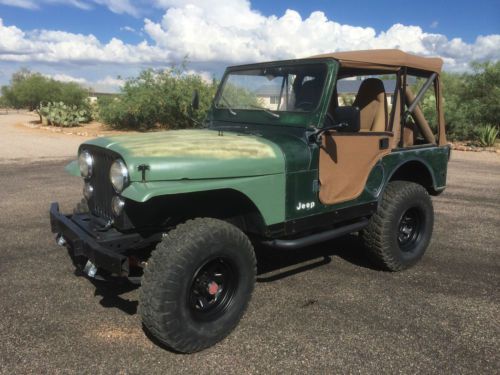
297,243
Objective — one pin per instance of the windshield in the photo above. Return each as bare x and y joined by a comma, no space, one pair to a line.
276,89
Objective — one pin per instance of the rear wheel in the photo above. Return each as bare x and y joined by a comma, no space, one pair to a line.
400,231
197,284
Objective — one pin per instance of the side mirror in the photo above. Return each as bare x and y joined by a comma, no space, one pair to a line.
195,101
349,117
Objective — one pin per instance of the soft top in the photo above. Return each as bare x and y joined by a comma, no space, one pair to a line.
386,59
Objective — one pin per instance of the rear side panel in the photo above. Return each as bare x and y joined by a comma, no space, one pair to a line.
434,158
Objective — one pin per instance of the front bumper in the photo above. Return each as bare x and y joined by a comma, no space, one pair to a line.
107,248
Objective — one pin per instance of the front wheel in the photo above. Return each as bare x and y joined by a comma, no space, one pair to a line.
400,231
197,284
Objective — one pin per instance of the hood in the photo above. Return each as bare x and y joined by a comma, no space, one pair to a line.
195,154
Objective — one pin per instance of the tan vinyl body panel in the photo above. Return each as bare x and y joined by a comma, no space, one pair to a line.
345,161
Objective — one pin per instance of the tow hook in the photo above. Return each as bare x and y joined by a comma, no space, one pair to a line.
90,269
61,241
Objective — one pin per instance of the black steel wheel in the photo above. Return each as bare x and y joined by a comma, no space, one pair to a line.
197,284
400,231
213,289
409,229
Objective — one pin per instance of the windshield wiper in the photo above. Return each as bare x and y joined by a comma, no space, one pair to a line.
266,110
228,106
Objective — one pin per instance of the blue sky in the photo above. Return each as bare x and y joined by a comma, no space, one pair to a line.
94,41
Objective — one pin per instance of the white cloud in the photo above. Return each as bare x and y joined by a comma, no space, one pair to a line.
120,6
63,47
116,6
26,4
128,28
228,32
106,84
111,81
233,32
132,30
68,78
205,76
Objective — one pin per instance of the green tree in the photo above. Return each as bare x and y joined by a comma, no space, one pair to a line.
29,90
482,93
238,97
71,93
158,98
3,102
471,101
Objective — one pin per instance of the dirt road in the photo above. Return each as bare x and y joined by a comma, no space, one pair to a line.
321,310
19,143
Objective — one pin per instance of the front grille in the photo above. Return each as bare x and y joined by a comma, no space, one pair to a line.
100,203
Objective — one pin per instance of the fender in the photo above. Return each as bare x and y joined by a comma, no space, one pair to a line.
431,160
73,169
261,190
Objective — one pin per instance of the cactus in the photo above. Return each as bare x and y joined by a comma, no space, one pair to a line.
487,135
60,114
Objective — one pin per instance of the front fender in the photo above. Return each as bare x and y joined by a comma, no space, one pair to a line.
266,192
73,169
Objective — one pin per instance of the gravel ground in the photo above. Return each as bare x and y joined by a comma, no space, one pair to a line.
19,143
324,309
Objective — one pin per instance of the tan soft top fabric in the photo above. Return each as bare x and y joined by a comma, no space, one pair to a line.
389,58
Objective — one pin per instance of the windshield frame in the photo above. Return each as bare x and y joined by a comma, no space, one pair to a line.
293,117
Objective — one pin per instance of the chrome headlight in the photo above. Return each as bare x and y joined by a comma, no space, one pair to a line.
86,163
117,205
118,174
88,190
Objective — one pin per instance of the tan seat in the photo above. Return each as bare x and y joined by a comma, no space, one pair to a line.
372,104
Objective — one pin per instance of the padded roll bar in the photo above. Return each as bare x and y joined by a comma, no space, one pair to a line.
422,92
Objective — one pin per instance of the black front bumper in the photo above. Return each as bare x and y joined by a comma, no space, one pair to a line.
106,248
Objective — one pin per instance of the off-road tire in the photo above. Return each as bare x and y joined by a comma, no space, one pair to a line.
169,277
381,235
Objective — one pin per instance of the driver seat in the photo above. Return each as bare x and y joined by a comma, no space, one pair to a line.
372,103
310,93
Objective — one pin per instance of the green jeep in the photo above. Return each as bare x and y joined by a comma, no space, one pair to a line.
292,153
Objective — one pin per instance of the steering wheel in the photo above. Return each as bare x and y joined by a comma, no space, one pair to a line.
304,105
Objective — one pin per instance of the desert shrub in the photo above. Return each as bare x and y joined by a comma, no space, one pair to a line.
3,102
472,100
487,136
347,99
27,89
158,99
236,96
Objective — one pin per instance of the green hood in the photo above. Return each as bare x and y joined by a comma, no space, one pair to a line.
195,154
